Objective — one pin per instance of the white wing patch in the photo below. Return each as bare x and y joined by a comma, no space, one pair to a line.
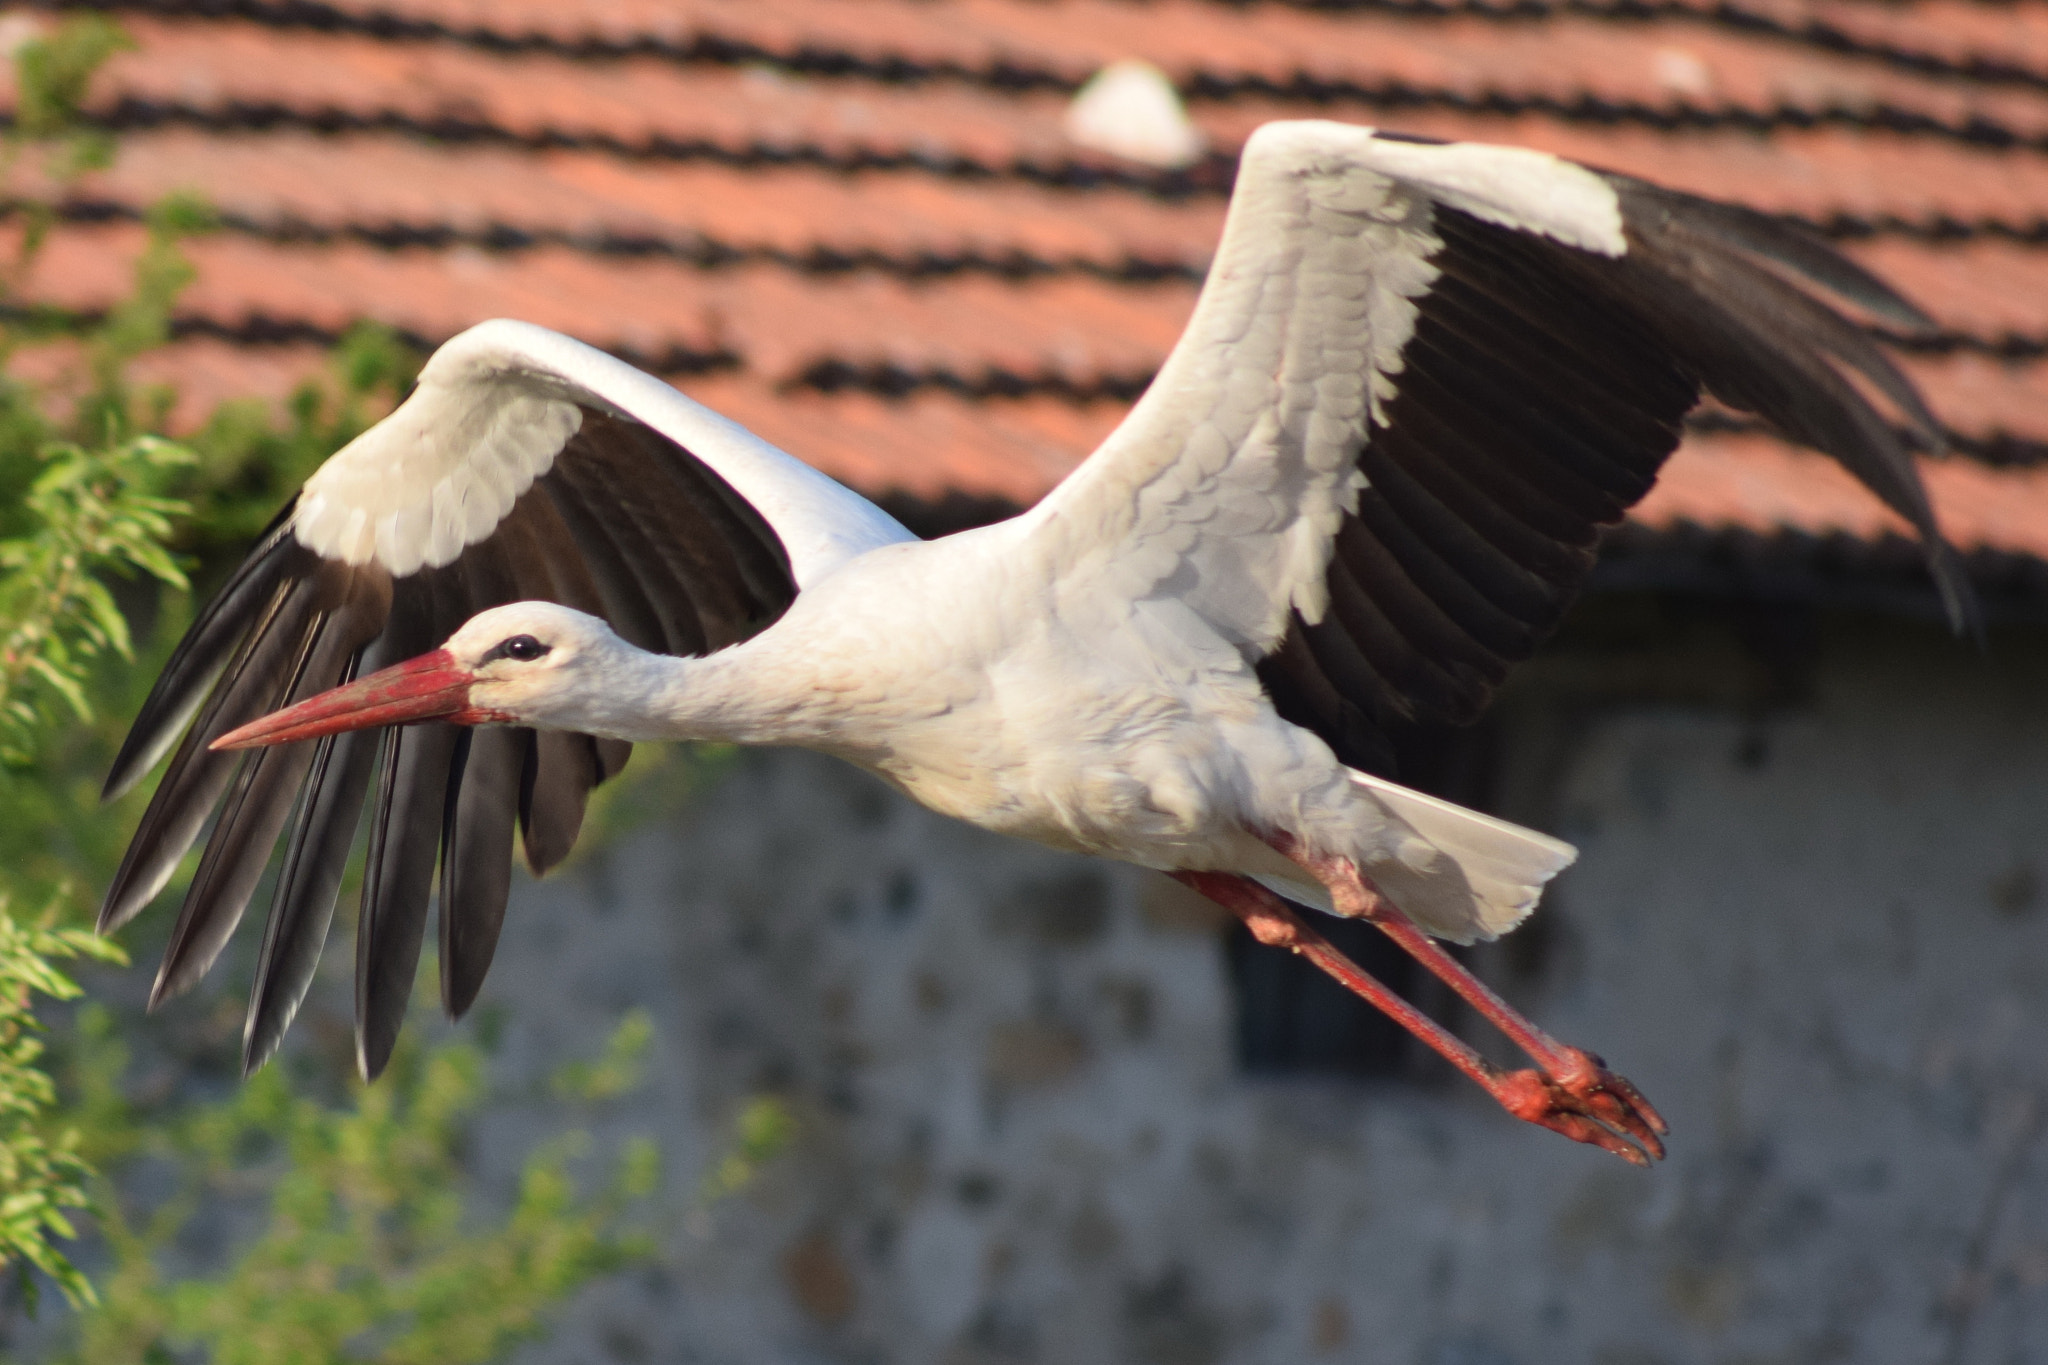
1227,483
434,477
493,409
1513,187
1229,479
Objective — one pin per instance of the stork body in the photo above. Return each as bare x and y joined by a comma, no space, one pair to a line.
1420,380
1130,742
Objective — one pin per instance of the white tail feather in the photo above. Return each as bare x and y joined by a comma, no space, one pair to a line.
1505,866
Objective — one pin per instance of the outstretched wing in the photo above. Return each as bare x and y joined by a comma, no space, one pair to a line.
1422,378
524,466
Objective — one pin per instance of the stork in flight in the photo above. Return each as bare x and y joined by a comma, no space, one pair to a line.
1420,380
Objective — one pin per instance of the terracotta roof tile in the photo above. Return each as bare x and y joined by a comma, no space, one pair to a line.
936,444
1064,330
916,224
1991,40
201,373
1824,175
1083,34
205,372
924,447
1986,288
1070,331
1073,332
1603,71
1828,173
399,186
381,187
1983,398
246,71
1756,483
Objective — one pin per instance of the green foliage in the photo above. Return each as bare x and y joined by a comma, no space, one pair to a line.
763,1131
368,1252
79,504
91,510
617,1070
53,75
41,1170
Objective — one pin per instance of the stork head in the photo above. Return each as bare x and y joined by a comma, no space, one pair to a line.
529,663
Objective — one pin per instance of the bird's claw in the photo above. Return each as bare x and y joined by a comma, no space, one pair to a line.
1587,1103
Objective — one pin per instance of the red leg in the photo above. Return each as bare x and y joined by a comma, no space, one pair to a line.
1571,1071
1274,922
1533,1096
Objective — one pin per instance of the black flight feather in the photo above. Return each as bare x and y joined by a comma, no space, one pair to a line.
405,835
330,811
556,773
398,882
616,500
197,777
1540,392
241,845
181,688
626,606
625,524
476,859
1650,208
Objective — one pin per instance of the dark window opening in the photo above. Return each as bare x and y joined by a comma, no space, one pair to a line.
1292,1019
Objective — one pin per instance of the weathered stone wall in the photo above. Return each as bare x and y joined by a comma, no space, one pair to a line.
1814,934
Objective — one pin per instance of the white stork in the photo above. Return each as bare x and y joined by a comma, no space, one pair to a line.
1420,380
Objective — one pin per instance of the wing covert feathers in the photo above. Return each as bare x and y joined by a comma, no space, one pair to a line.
621,522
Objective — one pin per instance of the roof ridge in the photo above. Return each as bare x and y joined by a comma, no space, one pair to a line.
691,248
888,379
1726,14
708,252
892,380
2000,450
1789,563
1003,73
2007,345
1211,176
261,329
132,114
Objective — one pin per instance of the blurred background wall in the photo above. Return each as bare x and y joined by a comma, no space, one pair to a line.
1045,1114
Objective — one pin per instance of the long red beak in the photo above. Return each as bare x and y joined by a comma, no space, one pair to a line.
431,687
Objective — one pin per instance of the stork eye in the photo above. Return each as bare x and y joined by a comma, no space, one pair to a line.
520,648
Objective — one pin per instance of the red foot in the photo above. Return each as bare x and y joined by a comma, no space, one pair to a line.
1587,1103
1570,1092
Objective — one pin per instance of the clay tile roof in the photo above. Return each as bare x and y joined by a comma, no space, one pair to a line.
856,225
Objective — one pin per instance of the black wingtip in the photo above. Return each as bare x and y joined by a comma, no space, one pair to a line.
162,991
476,860
405,837
302,909
216,637
1786,241
1959,602
376,1036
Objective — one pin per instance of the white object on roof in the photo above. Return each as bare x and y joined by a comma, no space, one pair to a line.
1130,109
